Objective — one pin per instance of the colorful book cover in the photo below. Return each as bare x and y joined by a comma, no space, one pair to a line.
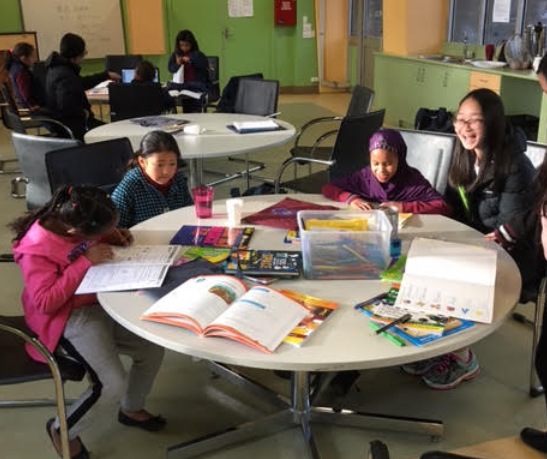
264,262
213,236
319,311
394,273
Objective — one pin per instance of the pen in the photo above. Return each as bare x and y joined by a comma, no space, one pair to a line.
394,339
400,320
123,239
371,300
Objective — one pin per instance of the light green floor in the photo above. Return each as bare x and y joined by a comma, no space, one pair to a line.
494,405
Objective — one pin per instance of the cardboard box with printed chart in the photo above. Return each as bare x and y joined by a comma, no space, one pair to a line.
344,245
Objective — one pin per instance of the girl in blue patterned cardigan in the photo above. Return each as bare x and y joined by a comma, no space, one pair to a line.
153,184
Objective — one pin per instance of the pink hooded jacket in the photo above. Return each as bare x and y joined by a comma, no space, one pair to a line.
50,280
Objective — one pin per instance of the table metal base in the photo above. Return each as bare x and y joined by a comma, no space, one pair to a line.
298,412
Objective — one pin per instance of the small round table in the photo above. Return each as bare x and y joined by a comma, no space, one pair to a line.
215,141
344,341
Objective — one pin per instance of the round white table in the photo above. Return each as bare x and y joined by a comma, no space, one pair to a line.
344,341
215,141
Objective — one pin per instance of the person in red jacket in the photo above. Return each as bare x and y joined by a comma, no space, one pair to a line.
387,181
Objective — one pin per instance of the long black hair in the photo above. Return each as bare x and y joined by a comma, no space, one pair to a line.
20,50
88,210
497,145
188,36
155,142
542,67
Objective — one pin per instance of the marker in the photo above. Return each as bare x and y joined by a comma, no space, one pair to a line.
394,339
400,320
372,300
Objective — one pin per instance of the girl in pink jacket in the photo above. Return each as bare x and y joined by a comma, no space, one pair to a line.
54,247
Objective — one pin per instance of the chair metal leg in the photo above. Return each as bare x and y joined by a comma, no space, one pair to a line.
3,166
536,388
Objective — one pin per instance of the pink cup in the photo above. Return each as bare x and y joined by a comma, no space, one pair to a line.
203,201
489,52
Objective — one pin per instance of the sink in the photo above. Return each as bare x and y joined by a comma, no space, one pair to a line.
442,58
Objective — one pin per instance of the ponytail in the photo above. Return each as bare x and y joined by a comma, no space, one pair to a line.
20,50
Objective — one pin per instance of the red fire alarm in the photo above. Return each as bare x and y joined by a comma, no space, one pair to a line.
285,12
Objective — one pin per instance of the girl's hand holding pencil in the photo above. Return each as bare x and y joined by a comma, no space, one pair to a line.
120,236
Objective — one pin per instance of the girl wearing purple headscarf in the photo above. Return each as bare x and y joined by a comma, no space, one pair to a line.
388,181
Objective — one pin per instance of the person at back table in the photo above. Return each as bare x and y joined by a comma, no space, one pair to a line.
387,181
145,73
65,88
154,184
196,64
18,64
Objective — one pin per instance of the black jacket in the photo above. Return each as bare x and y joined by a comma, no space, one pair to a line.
65,93
198,60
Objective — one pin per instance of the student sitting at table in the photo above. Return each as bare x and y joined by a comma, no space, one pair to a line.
145,73
55,246
154,184
65,88
387,181
18,63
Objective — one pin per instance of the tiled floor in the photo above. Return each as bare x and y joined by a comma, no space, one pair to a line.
492,407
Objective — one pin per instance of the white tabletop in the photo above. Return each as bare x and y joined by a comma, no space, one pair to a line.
345,340
216,141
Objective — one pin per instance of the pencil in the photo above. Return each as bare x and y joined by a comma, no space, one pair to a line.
355,253
122,238
400,320
394,339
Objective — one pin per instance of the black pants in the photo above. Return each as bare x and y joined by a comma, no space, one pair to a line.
541,354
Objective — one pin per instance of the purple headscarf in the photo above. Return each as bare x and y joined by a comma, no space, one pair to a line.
407,185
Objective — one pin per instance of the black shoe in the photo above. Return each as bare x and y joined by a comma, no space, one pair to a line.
151,424
534,438
83,454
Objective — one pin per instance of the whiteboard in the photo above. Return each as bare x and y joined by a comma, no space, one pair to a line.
98,22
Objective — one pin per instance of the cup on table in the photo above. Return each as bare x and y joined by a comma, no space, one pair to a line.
233,209
489,52
203,201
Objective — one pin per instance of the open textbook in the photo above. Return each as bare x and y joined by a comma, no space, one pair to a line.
455,280
185,92
222,306
133,267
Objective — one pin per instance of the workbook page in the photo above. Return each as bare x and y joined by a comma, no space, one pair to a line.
145,254
114,278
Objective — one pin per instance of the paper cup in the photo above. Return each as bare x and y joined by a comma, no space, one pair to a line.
233,209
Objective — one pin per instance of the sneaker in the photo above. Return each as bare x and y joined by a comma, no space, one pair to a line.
534,438
422,367
451,371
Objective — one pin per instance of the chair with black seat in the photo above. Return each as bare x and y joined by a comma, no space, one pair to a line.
16,367
350,154
31,151
101,164
227,100
360,103
117,62
135,100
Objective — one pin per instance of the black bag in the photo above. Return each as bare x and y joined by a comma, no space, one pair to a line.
434,120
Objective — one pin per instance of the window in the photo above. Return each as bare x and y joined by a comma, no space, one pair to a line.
466,21
372,21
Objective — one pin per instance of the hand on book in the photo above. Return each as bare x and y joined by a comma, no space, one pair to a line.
361,204
98,253
121,236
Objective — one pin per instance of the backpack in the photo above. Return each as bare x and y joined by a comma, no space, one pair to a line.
434,120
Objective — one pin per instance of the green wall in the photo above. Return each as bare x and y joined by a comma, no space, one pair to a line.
290,58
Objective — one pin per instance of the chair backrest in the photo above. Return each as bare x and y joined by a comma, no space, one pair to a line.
430,153
257,97
536,153
351,147
12,120
214,78
31,152
361,101
227,100
101,164
134,100
8,98
115,62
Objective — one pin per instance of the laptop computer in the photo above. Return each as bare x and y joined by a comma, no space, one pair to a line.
129,74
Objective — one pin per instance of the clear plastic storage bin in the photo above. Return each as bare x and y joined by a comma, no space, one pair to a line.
340,254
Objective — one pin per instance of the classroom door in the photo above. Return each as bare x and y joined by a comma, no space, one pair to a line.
246,43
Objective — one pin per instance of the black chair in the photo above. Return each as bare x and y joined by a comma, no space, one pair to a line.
213,94
134,100
102,164
118,62
31,152
257,97
379,450
350,154
16,367
227,100
360,103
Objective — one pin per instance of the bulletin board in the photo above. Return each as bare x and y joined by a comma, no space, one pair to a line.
9,40
98,22
145,26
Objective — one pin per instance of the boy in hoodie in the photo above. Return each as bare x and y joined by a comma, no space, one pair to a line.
65,88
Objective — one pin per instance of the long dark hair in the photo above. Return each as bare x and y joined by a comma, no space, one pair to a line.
155,142
188,36
497,145
87,209
20,50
